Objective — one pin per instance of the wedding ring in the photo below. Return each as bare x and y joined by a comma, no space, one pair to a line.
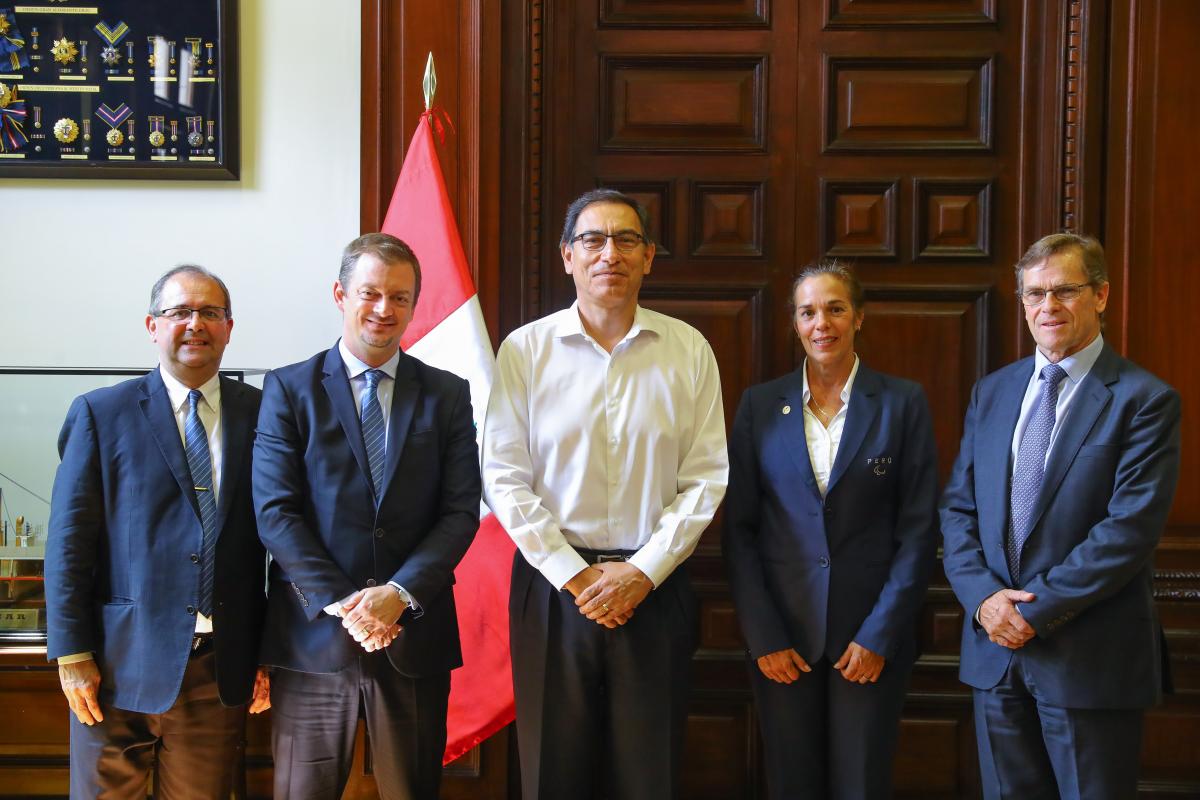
604,606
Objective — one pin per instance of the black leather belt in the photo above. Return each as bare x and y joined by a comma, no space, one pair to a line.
201,642
601,556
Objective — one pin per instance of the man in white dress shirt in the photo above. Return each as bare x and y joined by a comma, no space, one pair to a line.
604,458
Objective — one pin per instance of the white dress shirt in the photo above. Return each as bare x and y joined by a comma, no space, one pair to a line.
210,414
823,442
356,371
621,451
1077,367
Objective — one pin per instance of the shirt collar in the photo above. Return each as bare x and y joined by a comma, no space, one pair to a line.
356,367
1078,365
569,323
211,389
844,396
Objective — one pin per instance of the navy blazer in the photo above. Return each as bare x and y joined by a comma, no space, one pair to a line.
815,573
121,579
327,538
1108,486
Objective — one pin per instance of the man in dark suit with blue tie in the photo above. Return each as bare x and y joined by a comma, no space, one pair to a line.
366,480
1058,498
154,574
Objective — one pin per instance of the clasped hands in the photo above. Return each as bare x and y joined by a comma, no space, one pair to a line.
370,616
1003,621
857,665
609,592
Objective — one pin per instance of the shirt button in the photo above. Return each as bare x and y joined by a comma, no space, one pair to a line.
370,581
195,558
379,533
191,611
823,561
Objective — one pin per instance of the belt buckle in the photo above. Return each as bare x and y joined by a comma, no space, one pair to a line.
602,558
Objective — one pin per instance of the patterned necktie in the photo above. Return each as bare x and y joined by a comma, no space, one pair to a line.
200,465
1030,466
373,429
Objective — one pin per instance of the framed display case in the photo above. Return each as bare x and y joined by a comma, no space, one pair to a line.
119,89
33,405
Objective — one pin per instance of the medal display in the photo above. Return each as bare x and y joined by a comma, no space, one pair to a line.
84,64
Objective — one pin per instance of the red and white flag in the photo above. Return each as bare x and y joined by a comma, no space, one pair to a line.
448,331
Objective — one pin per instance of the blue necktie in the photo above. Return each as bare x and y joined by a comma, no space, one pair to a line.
373,429
1030,466
200,465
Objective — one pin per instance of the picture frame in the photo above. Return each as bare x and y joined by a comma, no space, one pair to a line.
119,89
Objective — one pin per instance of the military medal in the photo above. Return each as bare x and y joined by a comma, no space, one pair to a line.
157,139
150,59
64,51
37,116
113,35
12,45
174,130
87,129
66,130
113,117
12,120
195,137
195,55
211,126
129,134
33,34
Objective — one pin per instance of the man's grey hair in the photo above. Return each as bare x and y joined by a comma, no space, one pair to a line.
190,269
386,248
1091,255
602,196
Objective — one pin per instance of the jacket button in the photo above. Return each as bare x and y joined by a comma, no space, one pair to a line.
823,561
195,558
379,533
191,611
370,581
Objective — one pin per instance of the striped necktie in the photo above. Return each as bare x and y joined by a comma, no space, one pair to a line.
200,465
1030,466
373,429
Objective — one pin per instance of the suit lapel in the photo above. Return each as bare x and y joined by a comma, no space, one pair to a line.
337,387
1090,399
996,426
860,416
793,425
405,394
237,431
160,418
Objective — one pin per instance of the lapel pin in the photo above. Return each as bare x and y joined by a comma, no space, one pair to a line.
787,409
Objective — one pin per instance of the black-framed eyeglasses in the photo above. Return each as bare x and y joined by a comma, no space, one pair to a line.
1064,293
594,241
184,313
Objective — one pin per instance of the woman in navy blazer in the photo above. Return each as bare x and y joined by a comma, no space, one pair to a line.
830,536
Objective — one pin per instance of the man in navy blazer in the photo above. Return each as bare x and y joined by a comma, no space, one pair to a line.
366,480
1061,643
154,593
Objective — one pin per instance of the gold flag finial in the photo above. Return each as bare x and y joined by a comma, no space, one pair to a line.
429,82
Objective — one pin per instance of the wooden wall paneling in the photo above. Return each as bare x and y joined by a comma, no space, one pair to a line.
684,14
952,219
860,218
852,14
913,104
727,219
34,754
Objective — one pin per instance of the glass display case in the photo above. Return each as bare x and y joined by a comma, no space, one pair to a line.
33,405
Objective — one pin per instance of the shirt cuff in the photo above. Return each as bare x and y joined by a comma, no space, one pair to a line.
657,568
408,599
75,658
561,565
332,608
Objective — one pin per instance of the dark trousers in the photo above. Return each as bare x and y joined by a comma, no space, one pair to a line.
196,745
315,718
1029,749
826,737
600,712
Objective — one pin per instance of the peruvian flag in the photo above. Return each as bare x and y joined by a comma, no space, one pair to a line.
447,331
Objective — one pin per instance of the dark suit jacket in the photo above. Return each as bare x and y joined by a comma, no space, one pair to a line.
1107,489
124,526
318,518
815,574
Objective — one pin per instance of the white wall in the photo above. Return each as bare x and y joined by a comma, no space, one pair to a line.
77,258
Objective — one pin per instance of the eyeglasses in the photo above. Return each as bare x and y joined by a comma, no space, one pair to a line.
1068,291
184,313
594,241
